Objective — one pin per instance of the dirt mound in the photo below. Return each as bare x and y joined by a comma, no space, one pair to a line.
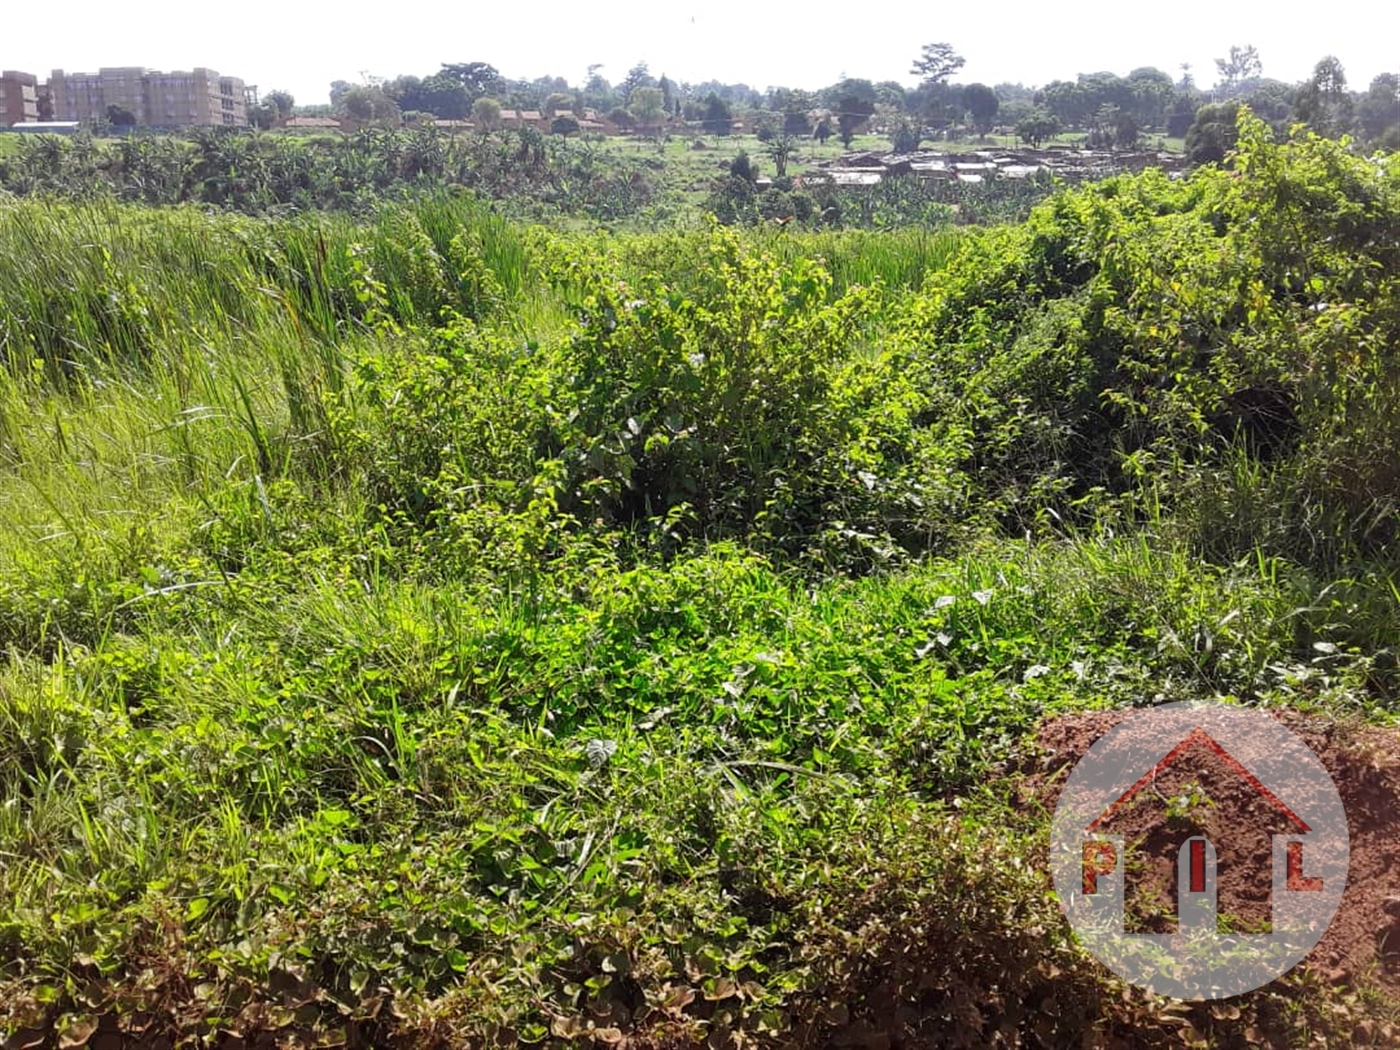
1363,940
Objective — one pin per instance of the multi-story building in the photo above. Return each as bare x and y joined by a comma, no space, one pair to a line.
19,98
198,98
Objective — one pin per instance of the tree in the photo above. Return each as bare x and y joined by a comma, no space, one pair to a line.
718,119
565,124
1037,126
796,109
365,105
441,96
1014,110
637,77
981,101
1126,131
936,63
1380,106
668,93
1213,134
1182,116
742,168
648,105
282,101
338,91
620,117
849,87
905,134
852,113
1273,101
1068,102
1153,94
1242,65
119,117
780,150
821,125
479,78
1008,92
890,93
1114,127
558,102
263,117
1323,101
486,114
597,92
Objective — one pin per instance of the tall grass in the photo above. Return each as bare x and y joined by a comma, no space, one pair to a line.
102,283
243,704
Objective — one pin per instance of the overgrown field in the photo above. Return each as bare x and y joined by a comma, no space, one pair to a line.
529,176
430,630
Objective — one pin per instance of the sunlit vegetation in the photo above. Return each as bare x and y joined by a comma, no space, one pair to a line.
422,625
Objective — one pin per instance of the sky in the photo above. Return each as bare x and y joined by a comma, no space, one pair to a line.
303,45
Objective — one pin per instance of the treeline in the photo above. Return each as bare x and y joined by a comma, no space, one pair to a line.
1109,109
534,175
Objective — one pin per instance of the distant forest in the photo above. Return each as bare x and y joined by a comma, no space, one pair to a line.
1109,109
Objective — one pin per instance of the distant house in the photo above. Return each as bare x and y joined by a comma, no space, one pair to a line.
519,118
43,127
303,123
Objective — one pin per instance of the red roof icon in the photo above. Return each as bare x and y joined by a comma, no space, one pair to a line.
1199,736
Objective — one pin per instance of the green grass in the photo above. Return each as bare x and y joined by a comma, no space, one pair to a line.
336,668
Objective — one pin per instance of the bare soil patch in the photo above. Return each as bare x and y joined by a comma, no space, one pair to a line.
1363,942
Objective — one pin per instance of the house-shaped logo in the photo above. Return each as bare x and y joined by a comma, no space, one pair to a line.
1200,851
1248,827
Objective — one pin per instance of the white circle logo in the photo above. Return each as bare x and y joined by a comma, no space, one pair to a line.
1199,851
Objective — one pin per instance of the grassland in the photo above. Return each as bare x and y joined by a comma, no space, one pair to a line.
429,630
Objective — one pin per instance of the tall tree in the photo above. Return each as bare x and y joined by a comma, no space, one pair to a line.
486,114
282,101
648,106
365,104
557,102
637,76
982,102
1380,106
443,97
936,63
780,149
1213,134
1323,101
1241,65
597,92
890,93
1068,102
797,108
479,78
852,112
718,119
1153,94
1037,126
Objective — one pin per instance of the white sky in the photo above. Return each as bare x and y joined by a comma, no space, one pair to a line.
303,45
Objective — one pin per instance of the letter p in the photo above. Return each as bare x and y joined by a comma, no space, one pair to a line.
1099,859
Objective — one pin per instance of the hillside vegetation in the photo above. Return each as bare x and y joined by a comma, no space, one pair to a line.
429,629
